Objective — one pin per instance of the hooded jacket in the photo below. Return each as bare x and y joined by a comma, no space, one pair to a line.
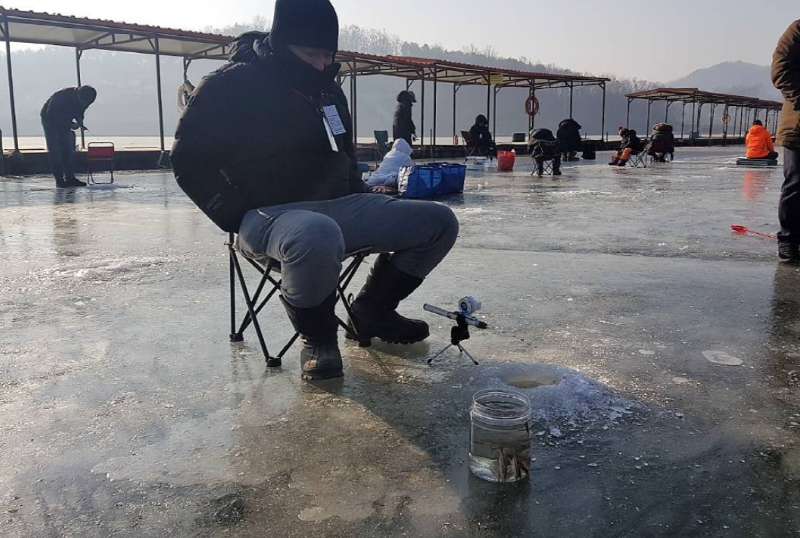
398,157
758,142
253,135
569,135
479,133
403,124
786,77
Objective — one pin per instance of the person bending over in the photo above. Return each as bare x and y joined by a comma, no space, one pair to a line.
569,139
61,114
264,148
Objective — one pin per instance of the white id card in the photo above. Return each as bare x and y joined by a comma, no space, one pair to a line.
334,120
329,132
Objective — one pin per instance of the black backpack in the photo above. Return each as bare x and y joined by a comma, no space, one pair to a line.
589,152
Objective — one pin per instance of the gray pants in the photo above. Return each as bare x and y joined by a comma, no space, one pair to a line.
311,239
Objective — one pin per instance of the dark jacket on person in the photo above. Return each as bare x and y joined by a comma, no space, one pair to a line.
569,135
662,132
403,125
632,141
479,133
543,144
62,108
786,77
253,135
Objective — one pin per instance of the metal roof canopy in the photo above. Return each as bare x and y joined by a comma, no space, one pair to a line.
86,34
744,107
460,74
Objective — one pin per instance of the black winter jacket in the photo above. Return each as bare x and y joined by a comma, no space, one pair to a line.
403,126
62,107
632,141
569,135
252,135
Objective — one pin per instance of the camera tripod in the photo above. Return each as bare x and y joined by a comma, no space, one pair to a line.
458,334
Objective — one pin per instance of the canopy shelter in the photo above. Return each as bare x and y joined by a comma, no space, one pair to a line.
85,34
458,74
745,108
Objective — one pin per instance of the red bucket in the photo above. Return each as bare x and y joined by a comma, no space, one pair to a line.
505,160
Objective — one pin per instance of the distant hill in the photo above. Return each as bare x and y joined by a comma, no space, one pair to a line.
739,78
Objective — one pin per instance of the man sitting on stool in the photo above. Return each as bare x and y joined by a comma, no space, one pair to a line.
62,114
759,143
265,149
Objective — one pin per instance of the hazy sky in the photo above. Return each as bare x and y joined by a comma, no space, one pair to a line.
659,40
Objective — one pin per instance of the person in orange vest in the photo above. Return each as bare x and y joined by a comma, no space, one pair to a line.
759,142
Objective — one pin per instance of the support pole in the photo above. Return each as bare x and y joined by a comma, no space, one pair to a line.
494,113
683,118
694,108
571,91
711,122
533,118
666,112
435,96
647,128
422,117
160,102
455,97
628,117
699,113
725,125
603,116
11,86
488,98
78,54
354,112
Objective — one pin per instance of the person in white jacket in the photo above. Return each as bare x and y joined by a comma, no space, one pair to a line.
398,157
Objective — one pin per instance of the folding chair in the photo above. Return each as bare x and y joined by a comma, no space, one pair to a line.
658,151
382,143
270,284
97,153
469,147
638,159
549,153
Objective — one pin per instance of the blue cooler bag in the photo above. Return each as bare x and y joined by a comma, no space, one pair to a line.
453,176
429,181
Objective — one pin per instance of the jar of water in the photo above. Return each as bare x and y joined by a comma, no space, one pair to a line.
500,435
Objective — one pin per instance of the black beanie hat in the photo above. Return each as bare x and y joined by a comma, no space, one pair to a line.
309,23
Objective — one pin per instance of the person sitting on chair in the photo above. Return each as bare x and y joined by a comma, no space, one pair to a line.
631,145
481,138
264,148
759,142
403,126
662,143
569,139
545,147
61,115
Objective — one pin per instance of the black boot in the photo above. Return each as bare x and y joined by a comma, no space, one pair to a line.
319,349
75,182
374,314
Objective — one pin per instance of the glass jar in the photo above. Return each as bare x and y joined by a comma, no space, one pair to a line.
500,435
